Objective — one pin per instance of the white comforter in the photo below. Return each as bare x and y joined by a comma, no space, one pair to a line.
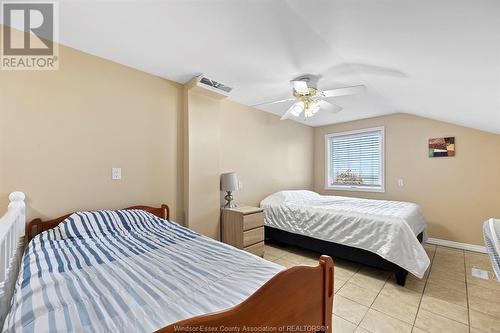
387,228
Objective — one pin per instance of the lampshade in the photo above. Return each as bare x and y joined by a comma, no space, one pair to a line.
229,182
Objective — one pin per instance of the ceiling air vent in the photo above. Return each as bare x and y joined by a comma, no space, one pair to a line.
212,85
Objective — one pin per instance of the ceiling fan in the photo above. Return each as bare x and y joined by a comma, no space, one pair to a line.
309,99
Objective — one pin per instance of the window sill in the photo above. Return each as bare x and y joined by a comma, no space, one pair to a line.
355,188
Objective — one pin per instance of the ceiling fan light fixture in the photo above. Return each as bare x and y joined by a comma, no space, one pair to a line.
297,109
311,108
300,86
310,100
314,107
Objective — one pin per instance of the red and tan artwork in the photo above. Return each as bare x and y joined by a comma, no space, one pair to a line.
440,147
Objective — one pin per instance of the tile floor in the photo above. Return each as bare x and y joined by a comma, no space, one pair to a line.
447,299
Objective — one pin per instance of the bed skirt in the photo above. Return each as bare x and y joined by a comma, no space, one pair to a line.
338,251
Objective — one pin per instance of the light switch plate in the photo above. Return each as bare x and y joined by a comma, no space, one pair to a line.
116,173
401,182
479,273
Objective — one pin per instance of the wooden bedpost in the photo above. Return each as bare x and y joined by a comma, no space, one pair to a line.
299,299
327,263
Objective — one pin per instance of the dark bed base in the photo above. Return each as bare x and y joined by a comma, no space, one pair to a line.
338,251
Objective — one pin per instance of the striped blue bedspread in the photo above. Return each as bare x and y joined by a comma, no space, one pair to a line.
127,271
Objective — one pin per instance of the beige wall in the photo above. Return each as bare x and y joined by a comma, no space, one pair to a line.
268,154
456,193
62,131
203,164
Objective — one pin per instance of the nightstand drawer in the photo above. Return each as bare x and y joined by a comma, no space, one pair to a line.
253,236
252,221
257,249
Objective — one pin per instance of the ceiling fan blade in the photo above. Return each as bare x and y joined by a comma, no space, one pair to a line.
291,110
329,107
275,102
343,91
300,86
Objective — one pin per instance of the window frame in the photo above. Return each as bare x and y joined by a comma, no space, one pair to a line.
361,188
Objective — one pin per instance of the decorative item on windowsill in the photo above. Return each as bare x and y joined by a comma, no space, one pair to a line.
348,177
229,183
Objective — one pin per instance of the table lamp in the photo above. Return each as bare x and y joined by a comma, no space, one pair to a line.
229,183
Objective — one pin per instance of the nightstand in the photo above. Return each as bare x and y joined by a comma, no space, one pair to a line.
243,227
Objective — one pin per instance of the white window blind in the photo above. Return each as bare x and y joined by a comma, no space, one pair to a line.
355,160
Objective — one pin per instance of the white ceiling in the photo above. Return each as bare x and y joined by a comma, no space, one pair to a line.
433,58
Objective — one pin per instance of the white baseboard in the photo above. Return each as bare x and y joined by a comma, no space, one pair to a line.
456,245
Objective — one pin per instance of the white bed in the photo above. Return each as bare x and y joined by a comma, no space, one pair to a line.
387,228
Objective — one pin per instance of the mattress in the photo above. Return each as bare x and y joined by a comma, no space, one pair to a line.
387,228
127,271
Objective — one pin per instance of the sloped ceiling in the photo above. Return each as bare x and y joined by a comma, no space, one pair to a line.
433,58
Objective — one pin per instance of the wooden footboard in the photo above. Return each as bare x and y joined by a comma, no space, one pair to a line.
299,299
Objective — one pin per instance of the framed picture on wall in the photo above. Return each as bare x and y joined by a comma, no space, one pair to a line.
442,147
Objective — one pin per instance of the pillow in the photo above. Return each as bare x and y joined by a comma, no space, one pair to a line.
284,196
92,224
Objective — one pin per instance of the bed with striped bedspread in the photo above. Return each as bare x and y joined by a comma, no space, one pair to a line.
127,271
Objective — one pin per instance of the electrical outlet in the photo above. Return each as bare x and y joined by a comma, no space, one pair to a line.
401,182
116,173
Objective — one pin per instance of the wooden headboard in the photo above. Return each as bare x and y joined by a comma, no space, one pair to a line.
37,226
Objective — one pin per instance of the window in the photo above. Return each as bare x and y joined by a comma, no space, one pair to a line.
355,160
